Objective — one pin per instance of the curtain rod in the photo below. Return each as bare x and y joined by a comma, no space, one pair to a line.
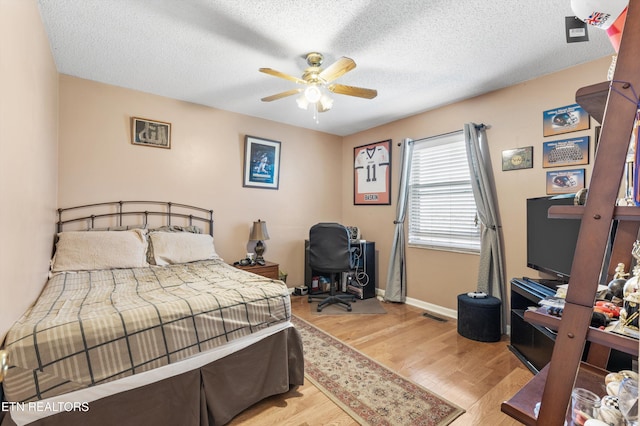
407,140
477,126
438,136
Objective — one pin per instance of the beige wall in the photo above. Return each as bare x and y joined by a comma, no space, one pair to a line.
28,156
95,161
203,167
515,117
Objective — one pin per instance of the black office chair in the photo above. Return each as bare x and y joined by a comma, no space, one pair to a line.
330,252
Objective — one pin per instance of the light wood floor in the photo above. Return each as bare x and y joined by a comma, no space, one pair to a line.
474,375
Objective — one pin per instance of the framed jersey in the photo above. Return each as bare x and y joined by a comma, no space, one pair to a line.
372,174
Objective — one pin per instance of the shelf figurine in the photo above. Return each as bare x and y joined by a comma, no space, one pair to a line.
631,296
631,286
616,285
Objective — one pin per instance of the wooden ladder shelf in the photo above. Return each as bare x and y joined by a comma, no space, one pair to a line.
553,385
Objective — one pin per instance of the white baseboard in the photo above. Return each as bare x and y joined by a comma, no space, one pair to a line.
430,307
434,309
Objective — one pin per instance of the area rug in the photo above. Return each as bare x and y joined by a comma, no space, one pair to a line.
369,392
366,306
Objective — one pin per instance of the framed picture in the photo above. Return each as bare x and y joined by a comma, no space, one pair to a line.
261,163
570,118
517,158
150,133
566,152
565,181
372,174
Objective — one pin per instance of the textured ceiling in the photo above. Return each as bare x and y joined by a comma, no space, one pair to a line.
418,54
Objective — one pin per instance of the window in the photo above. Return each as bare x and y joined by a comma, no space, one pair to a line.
442,210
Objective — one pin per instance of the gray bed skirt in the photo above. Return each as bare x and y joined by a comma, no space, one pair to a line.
208,396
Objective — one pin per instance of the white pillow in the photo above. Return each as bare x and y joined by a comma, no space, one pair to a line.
181,247
82,251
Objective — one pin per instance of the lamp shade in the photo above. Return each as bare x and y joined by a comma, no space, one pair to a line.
259,231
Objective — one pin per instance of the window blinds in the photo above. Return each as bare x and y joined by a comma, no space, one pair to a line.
442,210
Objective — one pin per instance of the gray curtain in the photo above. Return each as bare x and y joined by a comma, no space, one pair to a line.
491,272
396,290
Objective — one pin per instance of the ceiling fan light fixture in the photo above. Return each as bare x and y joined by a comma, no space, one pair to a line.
326,102
302,102
317,84
312,94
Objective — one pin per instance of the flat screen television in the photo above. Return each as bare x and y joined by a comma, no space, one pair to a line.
551,243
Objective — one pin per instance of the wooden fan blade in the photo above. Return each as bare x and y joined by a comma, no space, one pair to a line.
282,75
353,91
281,95
337,69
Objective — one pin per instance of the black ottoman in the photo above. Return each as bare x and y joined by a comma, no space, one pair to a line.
479,319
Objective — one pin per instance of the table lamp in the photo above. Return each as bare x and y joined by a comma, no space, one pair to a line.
259,233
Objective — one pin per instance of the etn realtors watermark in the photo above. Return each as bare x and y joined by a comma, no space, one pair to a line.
42,406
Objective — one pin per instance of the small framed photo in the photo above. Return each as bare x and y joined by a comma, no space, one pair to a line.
565,152
261,163
570,118
372,174
517,158
150,133
565,181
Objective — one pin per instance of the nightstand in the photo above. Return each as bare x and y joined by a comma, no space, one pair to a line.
269,270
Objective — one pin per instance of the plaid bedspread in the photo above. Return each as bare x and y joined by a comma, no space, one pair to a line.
93,327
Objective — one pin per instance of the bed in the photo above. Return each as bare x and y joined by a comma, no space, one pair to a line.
141,322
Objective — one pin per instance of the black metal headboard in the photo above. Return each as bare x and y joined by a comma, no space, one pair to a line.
121,213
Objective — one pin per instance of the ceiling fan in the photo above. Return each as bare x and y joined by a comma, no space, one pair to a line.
318,81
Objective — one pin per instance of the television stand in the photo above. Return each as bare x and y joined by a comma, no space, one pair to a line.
532,343
551,283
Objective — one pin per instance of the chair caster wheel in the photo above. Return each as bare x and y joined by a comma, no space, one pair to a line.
319,309
349,309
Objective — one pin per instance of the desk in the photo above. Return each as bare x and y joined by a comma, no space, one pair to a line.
366,270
